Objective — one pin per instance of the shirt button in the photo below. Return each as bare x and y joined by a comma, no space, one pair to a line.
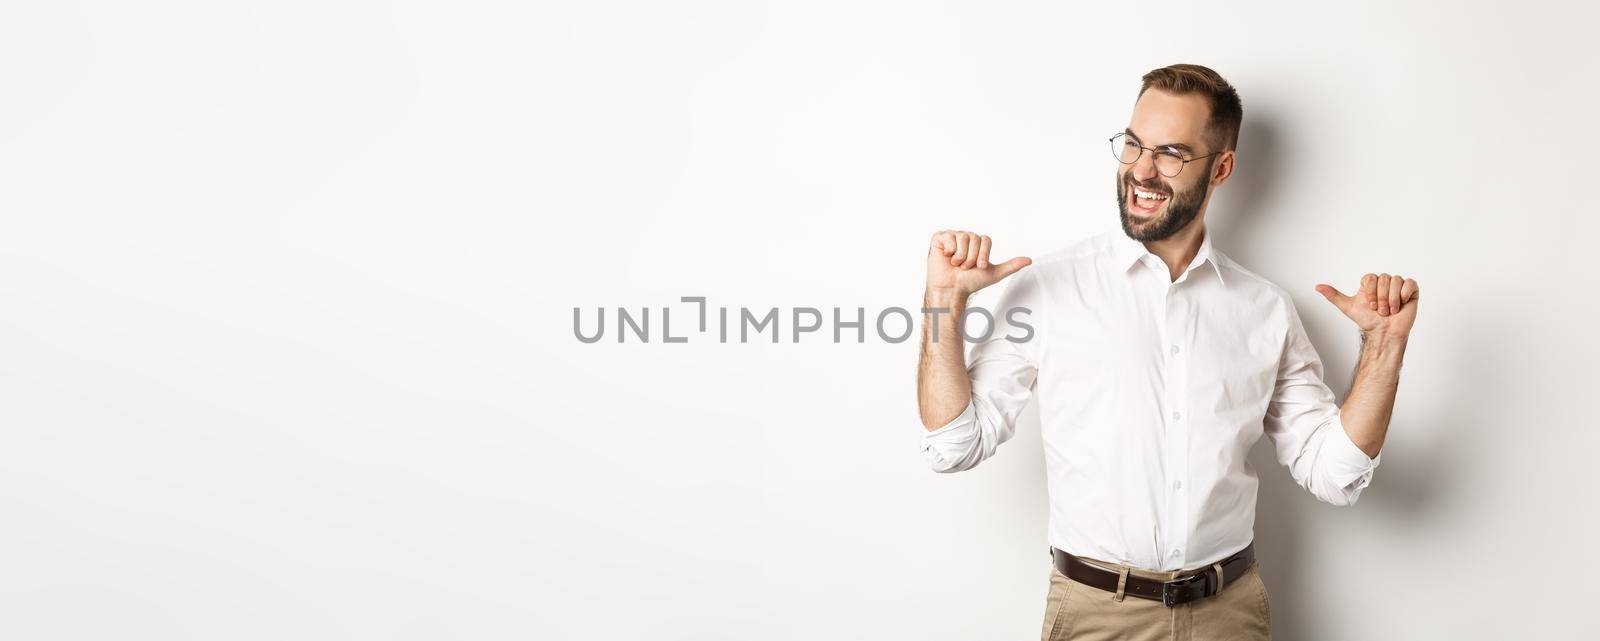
1174,349
1177,485
1176,416
1174,553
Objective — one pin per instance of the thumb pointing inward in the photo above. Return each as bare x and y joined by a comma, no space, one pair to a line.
1333,295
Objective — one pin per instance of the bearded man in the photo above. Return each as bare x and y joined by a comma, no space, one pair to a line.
1157,362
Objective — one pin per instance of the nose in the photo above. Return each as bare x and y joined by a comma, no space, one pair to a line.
1144,168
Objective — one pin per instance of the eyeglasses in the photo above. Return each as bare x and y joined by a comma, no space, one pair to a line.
1168,161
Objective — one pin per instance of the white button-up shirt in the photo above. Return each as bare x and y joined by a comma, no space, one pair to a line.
1151,393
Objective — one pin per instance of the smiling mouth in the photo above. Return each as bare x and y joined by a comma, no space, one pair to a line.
1145,202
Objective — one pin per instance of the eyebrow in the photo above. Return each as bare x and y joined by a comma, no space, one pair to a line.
1175,145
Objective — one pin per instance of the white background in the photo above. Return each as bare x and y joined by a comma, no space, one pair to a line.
286,298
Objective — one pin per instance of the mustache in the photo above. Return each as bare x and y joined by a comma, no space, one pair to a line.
1148,185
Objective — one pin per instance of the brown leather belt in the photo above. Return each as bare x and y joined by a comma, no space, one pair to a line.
1169,593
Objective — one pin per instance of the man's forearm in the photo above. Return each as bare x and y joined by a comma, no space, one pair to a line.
1366,411
943,390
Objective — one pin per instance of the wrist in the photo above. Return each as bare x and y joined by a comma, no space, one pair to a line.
1379,342
944,297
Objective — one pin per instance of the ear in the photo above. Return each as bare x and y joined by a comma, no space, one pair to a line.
1221,171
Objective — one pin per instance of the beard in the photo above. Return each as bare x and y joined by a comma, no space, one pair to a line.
1180,210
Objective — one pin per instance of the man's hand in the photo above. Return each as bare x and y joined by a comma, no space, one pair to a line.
1384,308
1385,304
958,264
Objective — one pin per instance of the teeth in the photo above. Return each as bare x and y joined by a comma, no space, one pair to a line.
1148,195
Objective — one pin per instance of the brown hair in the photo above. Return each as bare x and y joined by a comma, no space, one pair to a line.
1222,131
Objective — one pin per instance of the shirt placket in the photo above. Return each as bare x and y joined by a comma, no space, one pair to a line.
1177,317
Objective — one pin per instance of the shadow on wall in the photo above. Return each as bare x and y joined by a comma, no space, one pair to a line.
1407,490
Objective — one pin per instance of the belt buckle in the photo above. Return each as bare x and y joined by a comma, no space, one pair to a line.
1167,593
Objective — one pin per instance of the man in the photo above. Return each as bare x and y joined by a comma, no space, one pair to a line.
1157,363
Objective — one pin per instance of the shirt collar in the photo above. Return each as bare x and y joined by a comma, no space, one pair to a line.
1129,252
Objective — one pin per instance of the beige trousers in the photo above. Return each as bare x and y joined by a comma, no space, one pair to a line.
1077,612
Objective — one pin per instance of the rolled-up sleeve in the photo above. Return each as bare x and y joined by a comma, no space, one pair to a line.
1303,423
1002,373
